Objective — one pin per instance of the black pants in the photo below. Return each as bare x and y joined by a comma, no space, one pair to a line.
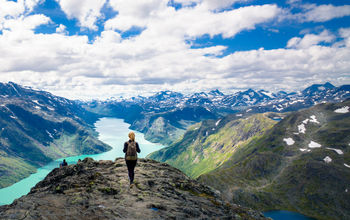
131,167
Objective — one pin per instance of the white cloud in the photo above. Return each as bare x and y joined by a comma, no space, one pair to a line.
326,12
192,22
313,12
10,10
159,58
210,4
22,26
345,34
87,11
61,29
310,40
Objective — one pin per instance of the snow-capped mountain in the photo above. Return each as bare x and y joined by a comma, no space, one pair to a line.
168,113
260,101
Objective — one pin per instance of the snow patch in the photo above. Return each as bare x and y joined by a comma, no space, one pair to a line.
344,109
239,115
248,110
14,88
314,145
348,166
50,135
246,97
336,150
301,128
289,141
51,109
269,94
327,159
217,123
313,119
302,149
37,107
14,117
36,102
305,121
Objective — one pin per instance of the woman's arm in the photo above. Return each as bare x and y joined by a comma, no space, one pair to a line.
125,147
138,148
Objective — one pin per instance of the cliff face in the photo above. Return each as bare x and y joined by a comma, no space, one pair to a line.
100,190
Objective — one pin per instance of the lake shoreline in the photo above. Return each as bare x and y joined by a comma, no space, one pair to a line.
112,131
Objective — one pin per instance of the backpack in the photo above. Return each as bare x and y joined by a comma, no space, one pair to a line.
131,153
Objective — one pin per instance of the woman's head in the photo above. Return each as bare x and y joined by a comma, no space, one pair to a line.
132,136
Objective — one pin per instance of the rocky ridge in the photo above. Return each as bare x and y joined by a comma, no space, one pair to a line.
100,190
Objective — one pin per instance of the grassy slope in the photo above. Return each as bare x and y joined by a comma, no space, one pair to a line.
268,174
207,145
31,140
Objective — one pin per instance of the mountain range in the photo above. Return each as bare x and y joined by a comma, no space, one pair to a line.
165,116
300,163
37,127
263,150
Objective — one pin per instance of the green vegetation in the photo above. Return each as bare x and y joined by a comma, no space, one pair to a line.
268,174
13,169
208,144
30,139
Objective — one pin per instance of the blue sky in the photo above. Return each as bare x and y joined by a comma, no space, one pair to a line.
103,48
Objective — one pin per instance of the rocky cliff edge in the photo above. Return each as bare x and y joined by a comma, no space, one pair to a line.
100,190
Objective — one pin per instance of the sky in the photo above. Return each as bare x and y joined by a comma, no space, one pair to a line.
96,49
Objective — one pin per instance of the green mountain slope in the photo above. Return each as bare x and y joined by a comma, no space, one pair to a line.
208,144
302,164
36,128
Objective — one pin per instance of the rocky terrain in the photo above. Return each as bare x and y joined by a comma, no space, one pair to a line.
100,190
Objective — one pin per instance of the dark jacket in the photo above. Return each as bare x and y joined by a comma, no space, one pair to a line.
126,144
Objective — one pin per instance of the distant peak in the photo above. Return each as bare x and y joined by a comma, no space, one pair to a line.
329,85
216,92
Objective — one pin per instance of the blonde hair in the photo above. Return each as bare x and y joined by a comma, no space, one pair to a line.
132,136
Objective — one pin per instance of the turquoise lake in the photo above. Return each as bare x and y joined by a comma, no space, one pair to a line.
286,215
111,131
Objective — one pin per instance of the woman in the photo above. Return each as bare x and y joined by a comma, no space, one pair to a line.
131,148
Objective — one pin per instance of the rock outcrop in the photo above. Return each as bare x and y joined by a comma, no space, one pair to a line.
100,190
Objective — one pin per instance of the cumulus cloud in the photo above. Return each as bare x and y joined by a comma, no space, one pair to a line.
61,29
192,22
160,57
11,10
87,12
210,4
345,34
315,13
311,39
325,12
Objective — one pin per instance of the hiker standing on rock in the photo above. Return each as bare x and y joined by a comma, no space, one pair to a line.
131,148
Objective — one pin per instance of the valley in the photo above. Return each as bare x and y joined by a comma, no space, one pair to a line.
268,151
37,127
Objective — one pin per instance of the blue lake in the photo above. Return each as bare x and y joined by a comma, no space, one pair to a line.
286,215
111,131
